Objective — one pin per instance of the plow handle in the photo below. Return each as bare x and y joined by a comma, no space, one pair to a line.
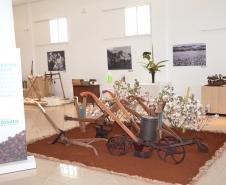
69,118
109,92
123,109
52,123
105,109
141,102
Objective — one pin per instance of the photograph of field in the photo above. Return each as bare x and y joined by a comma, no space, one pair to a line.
189,55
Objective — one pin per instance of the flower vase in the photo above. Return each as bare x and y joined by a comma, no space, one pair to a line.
153,77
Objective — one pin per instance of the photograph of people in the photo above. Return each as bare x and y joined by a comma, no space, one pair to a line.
56,61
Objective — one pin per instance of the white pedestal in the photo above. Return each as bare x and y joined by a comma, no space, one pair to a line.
152,88
18,165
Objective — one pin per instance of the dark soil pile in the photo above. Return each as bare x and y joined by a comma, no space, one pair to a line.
152,168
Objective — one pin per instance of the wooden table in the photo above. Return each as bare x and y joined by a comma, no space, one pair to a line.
77,89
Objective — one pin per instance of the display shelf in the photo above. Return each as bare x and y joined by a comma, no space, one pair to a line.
214,98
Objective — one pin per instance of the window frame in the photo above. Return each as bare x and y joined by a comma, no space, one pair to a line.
59,31
137,28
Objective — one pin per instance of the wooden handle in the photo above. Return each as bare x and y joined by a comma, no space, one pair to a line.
141,102
69,118
109,92
136,98
123,109
110,113
53,124
86,93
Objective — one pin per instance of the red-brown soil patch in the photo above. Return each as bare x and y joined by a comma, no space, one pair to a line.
152,168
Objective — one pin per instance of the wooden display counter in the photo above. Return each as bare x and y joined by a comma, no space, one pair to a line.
215,98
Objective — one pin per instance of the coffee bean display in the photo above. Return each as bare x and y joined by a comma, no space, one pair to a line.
14,148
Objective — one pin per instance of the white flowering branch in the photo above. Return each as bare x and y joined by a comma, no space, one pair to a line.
186,113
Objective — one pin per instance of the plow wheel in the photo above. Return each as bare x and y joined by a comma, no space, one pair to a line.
141,151
102,131
201,146
169,153
119,145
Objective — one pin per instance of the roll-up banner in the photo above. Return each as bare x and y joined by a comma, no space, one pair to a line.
12,121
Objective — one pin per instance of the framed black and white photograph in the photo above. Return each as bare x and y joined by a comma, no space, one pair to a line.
189,55
119,58
56,61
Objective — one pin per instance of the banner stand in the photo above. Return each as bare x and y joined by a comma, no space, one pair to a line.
18,165
13,145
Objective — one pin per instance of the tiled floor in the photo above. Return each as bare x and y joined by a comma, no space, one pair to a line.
54,173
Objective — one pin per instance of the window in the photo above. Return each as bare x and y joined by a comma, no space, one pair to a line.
137,20
58,30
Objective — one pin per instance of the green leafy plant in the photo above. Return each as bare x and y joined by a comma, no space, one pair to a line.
151,66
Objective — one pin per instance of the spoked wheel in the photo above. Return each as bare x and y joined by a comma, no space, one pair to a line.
201,146
102,131
119,145
168,152
141,151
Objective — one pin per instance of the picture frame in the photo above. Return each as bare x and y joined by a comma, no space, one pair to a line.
56,61
119,58
189,54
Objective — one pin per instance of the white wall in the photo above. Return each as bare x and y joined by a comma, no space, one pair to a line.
197,21
23,30
7,36
173,22
86,52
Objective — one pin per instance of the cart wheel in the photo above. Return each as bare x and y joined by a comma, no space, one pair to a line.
202,147
141,151
119,145
171,154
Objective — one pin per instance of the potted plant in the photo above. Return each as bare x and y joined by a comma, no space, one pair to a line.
151,66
